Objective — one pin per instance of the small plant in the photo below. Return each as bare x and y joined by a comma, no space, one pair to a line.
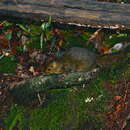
38,36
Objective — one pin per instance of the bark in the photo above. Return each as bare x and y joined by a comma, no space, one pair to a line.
83,12
29,87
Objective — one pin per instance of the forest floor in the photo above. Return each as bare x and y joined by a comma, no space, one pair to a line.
26,47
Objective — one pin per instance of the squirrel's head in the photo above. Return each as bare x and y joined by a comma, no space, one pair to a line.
54,67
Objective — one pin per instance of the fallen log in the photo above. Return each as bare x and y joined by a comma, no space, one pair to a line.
28,88
79,12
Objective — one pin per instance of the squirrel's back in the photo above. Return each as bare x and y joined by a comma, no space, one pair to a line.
74,59
81,59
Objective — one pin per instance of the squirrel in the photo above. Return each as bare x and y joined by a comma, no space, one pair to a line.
81,59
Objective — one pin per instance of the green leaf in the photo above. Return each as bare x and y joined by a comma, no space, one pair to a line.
25,29
9,35
116,38
35,30
19,34
46,25
41,41
7,24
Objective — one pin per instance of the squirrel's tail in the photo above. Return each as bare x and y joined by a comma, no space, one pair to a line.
113,58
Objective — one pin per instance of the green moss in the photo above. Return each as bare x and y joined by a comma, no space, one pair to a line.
75,39
67,109
16,118
7,64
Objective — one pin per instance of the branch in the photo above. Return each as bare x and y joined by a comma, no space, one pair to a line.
54,81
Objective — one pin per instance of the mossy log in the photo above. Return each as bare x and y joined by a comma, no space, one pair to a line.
79,12
42,83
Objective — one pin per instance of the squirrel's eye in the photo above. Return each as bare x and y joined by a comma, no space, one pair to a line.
48,69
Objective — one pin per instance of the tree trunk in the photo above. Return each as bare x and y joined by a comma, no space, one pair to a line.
79,12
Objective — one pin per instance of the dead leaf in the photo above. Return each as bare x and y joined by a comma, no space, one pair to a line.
104,49
13,51
118,107
21,60
117,98
60,38
97,38
3,41
31,69
24,39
